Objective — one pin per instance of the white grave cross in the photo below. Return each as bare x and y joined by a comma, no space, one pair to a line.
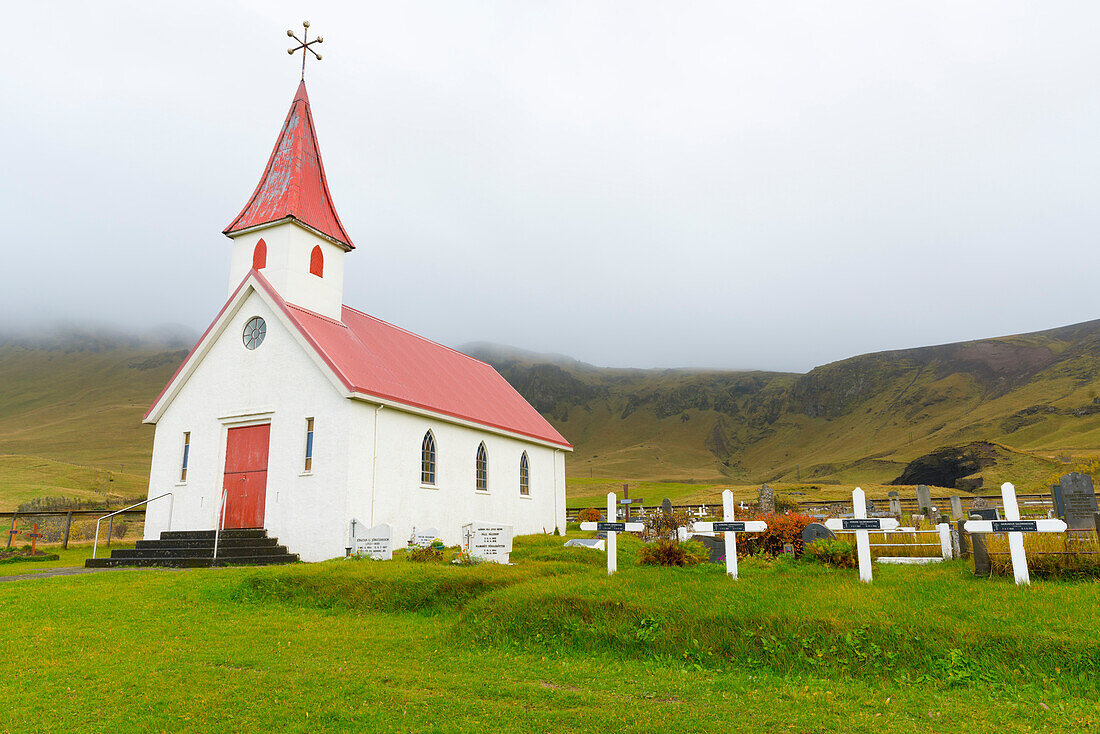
612,528
730,529
1015,527
863,526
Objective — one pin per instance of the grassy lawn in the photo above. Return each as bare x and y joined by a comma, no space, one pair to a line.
549,644
74,555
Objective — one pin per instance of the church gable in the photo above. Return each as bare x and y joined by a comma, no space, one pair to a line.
243,333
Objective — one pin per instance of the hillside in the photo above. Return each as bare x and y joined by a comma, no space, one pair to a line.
71,403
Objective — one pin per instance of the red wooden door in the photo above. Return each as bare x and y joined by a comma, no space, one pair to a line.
246,476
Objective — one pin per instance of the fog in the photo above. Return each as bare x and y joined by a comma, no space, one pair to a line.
744,185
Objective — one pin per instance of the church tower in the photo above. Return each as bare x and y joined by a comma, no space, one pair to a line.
289,230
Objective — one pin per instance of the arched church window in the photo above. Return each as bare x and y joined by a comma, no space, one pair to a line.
482,468
259,256
427,459
317,262
524,475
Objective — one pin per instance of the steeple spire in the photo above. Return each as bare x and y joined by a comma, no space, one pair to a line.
293,186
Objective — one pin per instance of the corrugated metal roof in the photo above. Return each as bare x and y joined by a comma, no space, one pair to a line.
294,184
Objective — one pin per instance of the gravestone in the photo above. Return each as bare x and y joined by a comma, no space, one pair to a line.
1056,497
376,543
895,502
593,543
1078,501
982,566
979,502
488,541
715,546
423,538
924,500
788,549
985,513
964,539
817,531
957,508
666,506
766,499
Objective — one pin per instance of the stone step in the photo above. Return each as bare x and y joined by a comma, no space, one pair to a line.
204,534
204,543
192,562
223,552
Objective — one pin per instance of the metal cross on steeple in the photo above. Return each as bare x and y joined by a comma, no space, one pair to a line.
305,45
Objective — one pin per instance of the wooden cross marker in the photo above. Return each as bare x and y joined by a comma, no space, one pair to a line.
612,528
863,526
730,529
13,532
34,536
304,45
1015,527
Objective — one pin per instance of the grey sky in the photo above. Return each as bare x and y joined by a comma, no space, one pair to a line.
768,185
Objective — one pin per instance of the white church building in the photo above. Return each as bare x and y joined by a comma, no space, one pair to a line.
307,415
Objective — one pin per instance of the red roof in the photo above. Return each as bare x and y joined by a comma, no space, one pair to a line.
294,185
378,359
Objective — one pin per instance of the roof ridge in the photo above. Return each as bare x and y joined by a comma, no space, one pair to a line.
414,334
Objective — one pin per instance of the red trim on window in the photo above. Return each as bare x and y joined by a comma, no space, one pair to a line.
259,255
317,262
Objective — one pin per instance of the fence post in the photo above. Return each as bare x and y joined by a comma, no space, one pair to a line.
68,524
944,530
981,555
1096,522
110,531
13,516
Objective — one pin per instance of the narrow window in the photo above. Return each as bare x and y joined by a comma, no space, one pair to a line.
427,459
259,256
186,455
482,469
317,262
524,475
309,444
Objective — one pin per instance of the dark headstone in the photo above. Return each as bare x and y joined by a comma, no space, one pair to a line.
1056,497
1078,501
985,513
924,499
982,566
817,531
715,546
964,540
666,506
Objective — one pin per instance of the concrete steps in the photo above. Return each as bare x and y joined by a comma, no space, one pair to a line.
195,549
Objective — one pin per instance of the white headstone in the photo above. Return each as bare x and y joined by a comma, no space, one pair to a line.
376,543
488,541
423,538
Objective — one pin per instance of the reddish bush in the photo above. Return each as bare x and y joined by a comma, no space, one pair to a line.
782,528
589,514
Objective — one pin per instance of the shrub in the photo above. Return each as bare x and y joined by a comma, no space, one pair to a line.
837,553
429,554
665,552
589,514
782,529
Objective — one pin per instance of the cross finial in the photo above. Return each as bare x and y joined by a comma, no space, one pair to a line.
304,45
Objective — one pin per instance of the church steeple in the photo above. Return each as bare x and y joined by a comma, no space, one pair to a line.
293,186
289,230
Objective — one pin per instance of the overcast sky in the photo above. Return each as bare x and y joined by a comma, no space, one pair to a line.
746,185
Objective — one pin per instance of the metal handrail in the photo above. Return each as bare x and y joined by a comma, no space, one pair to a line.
221,521
171,506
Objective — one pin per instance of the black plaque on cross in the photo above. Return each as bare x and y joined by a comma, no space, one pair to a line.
861,523
611,527
728,527
1015,526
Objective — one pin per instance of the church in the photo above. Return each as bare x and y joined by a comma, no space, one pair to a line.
308,418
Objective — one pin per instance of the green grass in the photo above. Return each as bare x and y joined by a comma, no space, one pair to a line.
550,644
73,556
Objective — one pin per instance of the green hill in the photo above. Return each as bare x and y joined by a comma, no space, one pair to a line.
71,404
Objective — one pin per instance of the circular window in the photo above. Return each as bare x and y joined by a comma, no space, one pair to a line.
254,332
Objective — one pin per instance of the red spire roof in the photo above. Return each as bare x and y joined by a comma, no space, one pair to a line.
293,185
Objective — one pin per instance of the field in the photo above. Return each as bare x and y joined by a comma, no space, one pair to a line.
550,643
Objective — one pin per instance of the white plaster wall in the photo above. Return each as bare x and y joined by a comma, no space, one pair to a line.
288,250
386,487
279,383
